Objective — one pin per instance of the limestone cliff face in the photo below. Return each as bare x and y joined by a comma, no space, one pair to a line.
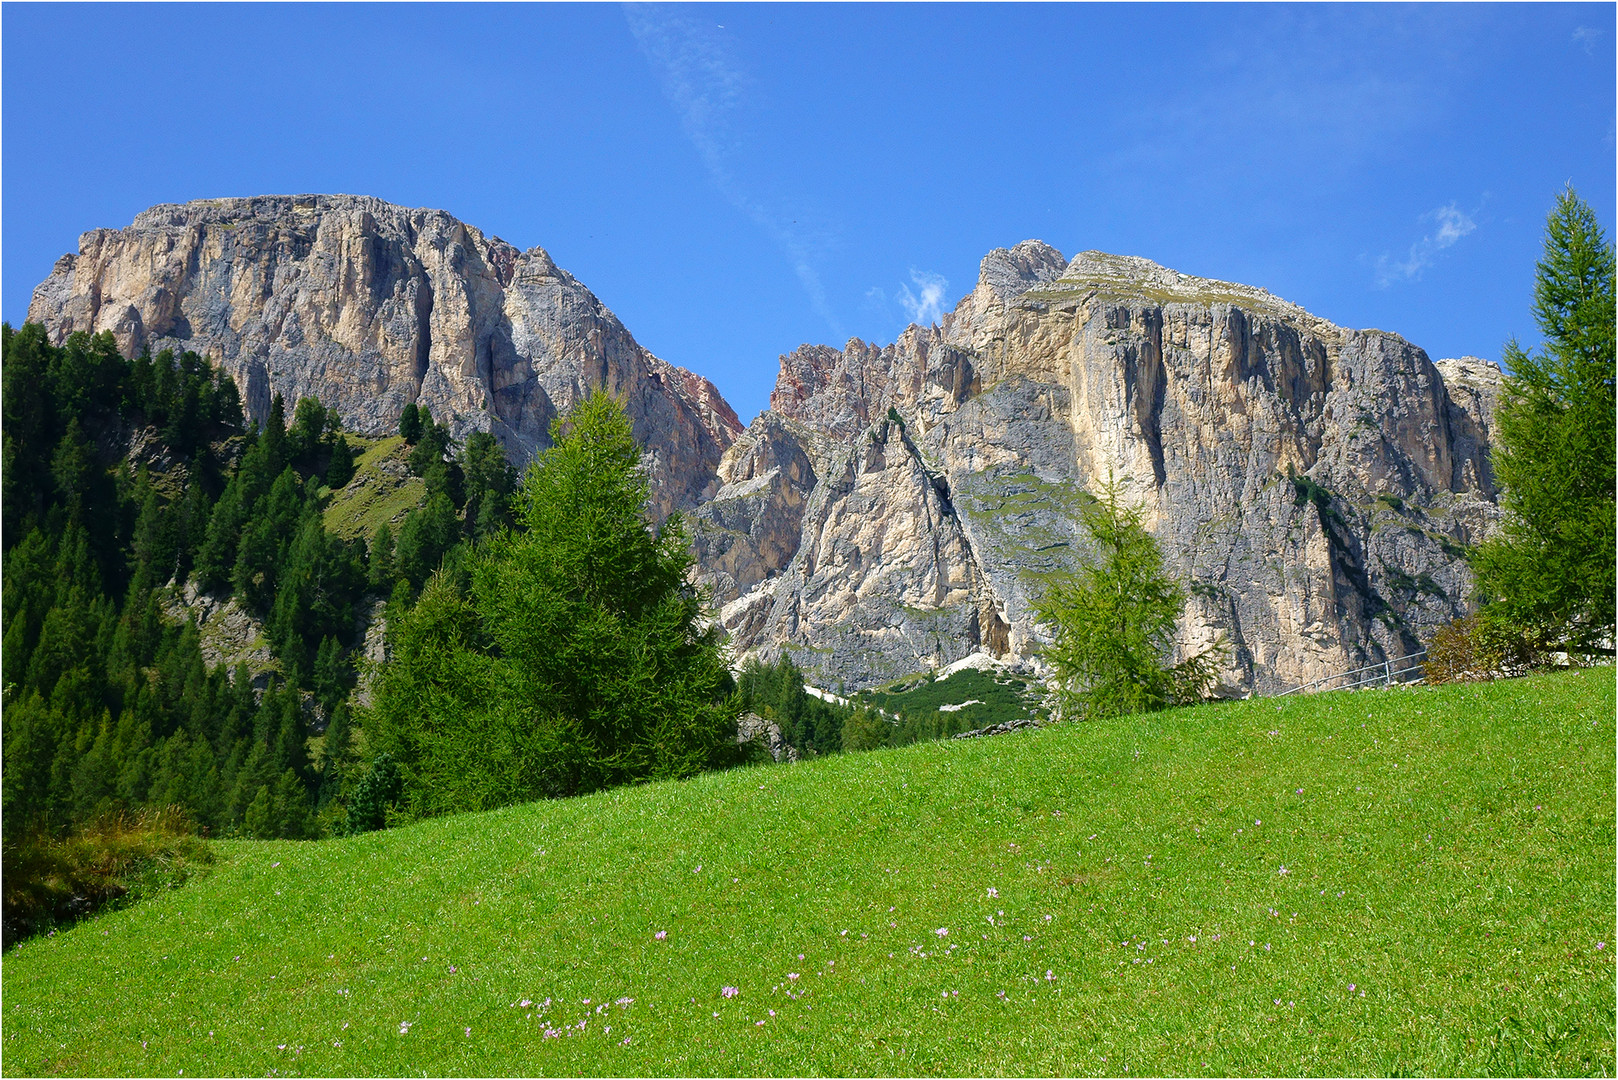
900,507
370,306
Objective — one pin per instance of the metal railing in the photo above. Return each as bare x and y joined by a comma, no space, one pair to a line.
1394,671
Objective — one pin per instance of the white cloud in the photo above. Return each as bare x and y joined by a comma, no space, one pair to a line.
927,308
1587,36
709,90
1452,225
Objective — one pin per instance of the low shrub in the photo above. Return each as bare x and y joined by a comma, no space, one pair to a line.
113,861
1476,648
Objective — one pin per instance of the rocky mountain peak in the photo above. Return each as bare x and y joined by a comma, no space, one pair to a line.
1133,276
1010,272
371,306
899,507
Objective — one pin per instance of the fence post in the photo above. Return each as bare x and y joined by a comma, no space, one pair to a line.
1387,670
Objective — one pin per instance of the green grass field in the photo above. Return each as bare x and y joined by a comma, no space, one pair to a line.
1407,881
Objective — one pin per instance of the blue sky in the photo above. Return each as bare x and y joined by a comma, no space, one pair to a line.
735,180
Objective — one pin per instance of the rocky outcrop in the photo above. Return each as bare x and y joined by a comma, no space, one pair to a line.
767,733
371,306
229,635
901,507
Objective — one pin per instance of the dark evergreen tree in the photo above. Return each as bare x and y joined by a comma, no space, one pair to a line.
377,791
410,423
306,436
425,536
340,468
381,573
489,482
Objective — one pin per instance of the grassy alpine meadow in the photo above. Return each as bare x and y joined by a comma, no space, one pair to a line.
1418,880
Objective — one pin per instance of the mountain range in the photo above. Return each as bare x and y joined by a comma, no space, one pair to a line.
898,507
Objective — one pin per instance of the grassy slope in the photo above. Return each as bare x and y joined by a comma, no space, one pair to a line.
1449,865
377,495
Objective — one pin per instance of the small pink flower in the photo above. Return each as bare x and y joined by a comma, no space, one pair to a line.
1350,988
942,931
1601,944
772,1012
468,1033
759,1024
660,935
793,975
1050,976
729,991
993,892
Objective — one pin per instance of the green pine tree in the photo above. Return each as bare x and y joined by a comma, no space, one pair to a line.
1115,619
410,423
576,662
1550,573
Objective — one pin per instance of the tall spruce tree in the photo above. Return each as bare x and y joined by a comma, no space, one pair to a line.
576,662
1550,573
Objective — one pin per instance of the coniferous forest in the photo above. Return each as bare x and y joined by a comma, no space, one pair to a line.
124,479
